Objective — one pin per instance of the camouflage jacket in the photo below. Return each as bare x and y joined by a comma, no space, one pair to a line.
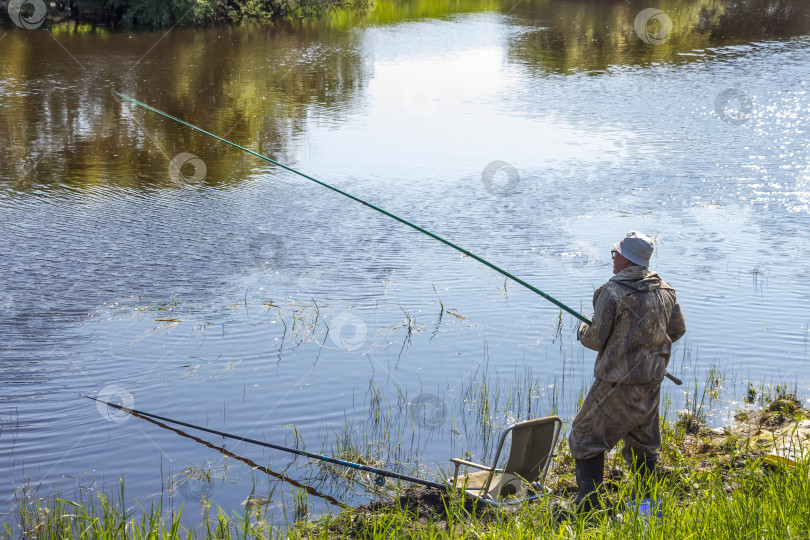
636,320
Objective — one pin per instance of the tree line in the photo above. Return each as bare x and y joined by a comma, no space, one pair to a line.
155,14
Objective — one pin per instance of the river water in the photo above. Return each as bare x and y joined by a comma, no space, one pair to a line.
151,265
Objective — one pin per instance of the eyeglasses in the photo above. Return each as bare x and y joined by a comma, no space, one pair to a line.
613,253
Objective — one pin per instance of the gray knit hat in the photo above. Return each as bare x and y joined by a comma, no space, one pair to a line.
636,248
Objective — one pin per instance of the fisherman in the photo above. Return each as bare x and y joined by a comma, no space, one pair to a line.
636,319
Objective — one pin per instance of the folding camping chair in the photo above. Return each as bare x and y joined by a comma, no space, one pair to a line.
523,477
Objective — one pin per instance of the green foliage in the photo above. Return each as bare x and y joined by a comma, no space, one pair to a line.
762,504
751,501
153,13
157,14
161,14
99,516
310,8
724,491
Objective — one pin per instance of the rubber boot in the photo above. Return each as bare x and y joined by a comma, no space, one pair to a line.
645,468
590,474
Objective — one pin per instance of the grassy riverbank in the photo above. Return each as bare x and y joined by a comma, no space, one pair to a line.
715,484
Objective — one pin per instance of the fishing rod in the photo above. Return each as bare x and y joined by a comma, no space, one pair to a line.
377,208
466,252
269,472
381,473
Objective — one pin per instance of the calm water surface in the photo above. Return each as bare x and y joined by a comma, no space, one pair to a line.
241,297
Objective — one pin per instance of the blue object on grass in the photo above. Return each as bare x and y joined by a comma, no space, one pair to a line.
647,507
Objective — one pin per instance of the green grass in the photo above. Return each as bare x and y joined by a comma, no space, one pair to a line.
765,504
104,516
719,492
101,517
703,496
713,486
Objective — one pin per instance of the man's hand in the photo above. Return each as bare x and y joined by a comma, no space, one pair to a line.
583,327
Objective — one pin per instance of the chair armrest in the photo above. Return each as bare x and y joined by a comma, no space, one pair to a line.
459,461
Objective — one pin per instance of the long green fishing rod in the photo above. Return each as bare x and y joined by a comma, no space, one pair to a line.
483,261
379,472
377,208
